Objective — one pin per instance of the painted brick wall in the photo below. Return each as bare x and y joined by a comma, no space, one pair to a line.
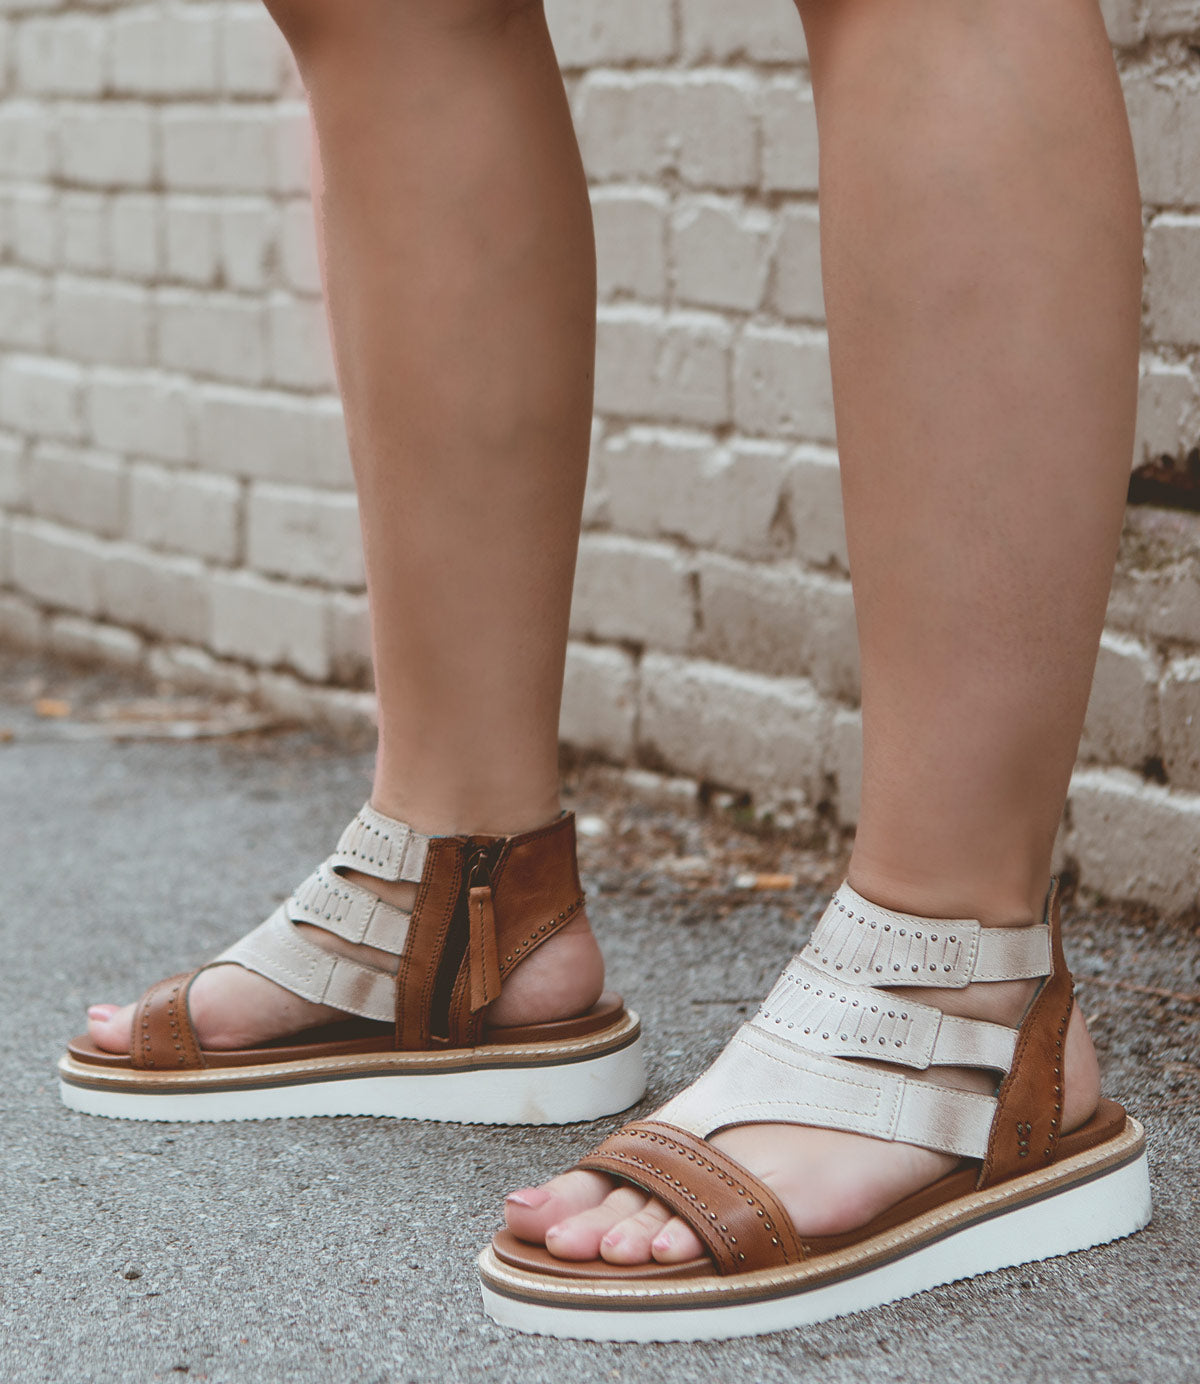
174,486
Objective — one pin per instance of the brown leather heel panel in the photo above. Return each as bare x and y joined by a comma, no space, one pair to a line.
538,1259
608,1010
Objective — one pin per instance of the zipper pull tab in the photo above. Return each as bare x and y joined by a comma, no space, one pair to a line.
483,954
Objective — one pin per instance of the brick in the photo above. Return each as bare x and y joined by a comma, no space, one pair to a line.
270,623
252,54
595,495
778,619
218,334
350,660
731,728
186,667
22,624
163,52
158,593
90,641
631,242
278,437
63,56
1154,119
781,383
84,224
1180,707
1186,144
632,591
1135,840
33,227
796,290
42,396
292,144
301,353
190,239
107,144
14,479
141,412
1168,418
718,145
57,566
308,535
810,523
599,707
721,254
1170,18
789,135
135,235
185,511
1122,714
589,33
24,315
653,365
218,148
1125,22
1173,278
247,233
846,765
26,140
99,320
757,31
79,487
1164,603
298,246
353,717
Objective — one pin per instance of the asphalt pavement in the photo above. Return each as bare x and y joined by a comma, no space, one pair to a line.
343,1250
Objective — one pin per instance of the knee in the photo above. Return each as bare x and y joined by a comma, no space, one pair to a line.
309,25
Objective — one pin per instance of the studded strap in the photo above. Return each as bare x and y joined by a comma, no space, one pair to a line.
163,1037
382,847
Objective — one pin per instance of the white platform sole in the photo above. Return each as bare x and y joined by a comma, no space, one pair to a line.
584,1088
1107,1207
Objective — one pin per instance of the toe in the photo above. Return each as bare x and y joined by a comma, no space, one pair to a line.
531,1211
629,1241
676,1242
111,1028
580,1235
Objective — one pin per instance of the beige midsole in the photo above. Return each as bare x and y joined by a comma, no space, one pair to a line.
716,1290
347,1066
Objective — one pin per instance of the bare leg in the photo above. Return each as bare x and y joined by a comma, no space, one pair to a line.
460,276
981,237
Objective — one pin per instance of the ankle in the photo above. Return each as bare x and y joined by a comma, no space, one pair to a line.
992,902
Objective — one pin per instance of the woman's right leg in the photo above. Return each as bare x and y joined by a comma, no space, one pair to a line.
460,278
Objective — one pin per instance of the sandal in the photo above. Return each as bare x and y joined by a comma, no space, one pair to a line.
1023,1191
414,1044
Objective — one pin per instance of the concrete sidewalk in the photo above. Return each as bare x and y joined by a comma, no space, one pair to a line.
343,1250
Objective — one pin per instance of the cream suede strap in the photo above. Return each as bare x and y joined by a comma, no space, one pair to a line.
376,845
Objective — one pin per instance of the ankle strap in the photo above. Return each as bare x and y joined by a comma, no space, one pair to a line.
382,847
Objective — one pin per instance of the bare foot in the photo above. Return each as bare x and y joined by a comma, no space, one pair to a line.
231,1007
829,1181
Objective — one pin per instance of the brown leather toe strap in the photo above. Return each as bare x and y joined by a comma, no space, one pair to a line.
736,1216
163,1037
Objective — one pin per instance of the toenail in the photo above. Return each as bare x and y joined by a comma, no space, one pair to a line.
614,1238
529,1197
661,1242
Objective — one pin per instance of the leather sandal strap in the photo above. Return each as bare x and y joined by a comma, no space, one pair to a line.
380,846
163,1037
738,1218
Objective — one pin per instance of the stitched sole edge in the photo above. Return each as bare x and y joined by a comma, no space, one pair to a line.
560,1083
1091,1199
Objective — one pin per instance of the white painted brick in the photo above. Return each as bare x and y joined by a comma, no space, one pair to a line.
350,639
812,525
270,623
163,52
1154,119
308,535
1180,706
595,495
89,641
57,566
789,135
218,148
781,383
733,728
1168,419
1188,141
846,764
42,396
190,239
632,591
24,315
719,144
277,437
63,56
1173,278
185,511
22,624
107,143
1166,18
758,31
292,147
721,253
796,290
248,239
219,334
252,55
631,242
651,365
135,234
5,551
14,484
599,706
99,320
33,226
1164,602
141,412
26,140
79,487
779,619
301,353
298,246
1122,714
1125,22
1135,840
589,33
351,716
84,223
158,593
185,667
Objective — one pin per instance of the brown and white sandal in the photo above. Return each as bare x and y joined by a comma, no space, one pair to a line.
1024,1190
414,1044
